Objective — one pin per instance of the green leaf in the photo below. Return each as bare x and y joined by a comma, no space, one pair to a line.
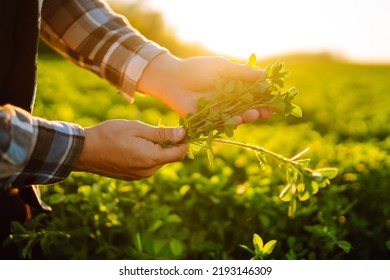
233,122
246,97
305,195
27,250
229,131
292,207
344,245
155,226
291,175
269,247
304,191
276,67
252,60
300,188
279,82
303,162
190,152
328,172
210,157
45,243
258,243
248,249
229,87
314,187
158,244
174,218
176,247
210,138
17,227
284,73
285,194
296,111
215,116
137,242
280,106
291,93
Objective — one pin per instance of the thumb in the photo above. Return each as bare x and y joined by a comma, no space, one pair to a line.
167,135
164,138
243,72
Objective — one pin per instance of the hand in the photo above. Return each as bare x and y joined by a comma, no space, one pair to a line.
129,150
180,83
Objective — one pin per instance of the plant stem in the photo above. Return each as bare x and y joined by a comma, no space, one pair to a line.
259,149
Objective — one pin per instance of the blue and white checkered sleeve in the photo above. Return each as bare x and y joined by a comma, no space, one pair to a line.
34,150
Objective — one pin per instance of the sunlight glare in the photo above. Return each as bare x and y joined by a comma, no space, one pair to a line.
356,29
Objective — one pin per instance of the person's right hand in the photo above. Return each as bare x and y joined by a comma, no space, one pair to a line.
129,150
179,83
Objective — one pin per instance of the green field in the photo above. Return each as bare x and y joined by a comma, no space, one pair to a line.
191,210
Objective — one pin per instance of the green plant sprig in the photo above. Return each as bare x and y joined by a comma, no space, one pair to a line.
234,97
217,117
302,181
261,250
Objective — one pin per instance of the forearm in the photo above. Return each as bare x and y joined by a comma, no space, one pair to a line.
36,151
96,38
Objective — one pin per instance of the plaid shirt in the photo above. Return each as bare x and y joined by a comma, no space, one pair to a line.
36,151
94,37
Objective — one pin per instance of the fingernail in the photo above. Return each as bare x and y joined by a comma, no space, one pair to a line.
179,133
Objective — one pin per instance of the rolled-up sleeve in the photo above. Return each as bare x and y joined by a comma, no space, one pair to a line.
34,150
94,37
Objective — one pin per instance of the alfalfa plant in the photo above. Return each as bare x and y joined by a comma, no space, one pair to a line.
217,117
261,250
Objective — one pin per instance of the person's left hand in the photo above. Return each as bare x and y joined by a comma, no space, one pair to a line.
180,83
129,150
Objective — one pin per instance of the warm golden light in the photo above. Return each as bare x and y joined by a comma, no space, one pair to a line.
355,29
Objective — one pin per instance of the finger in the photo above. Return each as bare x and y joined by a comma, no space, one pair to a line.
250,116
183,100
146,173
168,135
162,134
171,154
186,101
241,72
255,114
265,112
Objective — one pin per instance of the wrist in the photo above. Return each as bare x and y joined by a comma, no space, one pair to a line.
158,75
84,160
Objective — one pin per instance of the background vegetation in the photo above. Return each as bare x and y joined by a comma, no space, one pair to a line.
190,210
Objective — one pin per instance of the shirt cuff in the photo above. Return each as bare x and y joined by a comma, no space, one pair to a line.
55,147
135,67
58,146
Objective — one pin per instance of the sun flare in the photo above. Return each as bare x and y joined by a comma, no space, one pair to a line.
239,28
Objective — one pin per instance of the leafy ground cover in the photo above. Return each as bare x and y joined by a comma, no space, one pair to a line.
191,210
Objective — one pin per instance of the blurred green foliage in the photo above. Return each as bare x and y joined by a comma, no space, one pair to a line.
190,210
